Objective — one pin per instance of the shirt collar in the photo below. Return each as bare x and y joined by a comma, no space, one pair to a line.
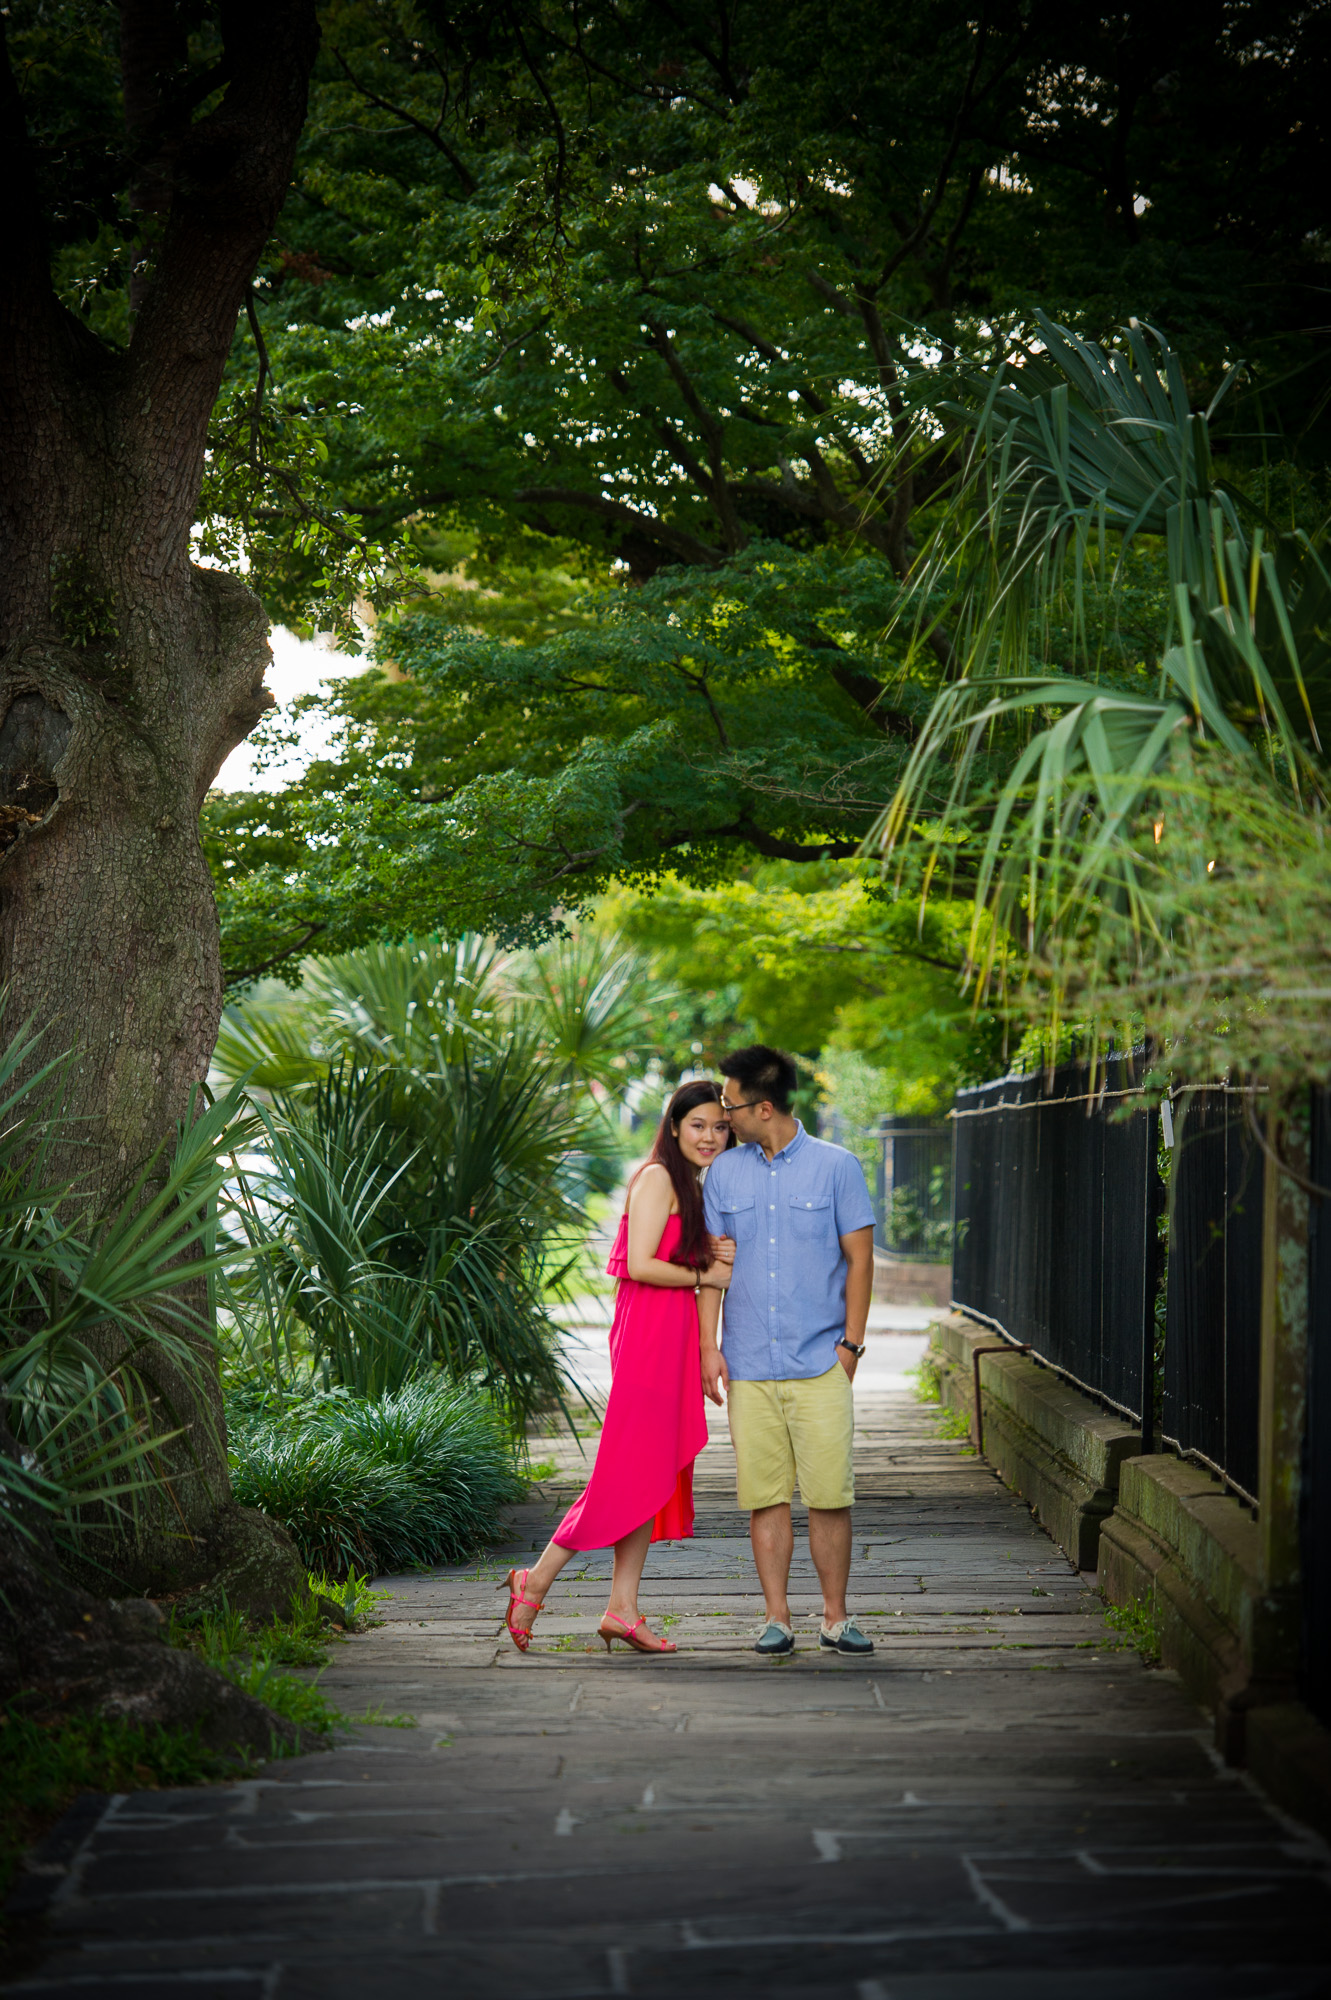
791,1146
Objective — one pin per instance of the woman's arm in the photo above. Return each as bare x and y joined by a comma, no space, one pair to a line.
649,1211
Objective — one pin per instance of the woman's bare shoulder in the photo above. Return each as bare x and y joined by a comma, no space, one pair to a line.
653,1180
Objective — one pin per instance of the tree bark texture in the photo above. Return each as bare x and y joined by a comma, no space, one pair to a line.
127,673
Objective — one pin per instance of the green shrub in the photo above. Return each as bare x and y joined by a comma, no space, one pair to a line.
397,1482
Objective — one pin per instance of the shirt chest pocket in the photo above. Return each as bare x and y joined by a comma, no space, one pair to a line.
738,1221
811,1217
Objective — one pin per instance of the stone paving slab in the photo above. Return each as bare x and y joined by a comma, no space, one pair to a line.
1002,1805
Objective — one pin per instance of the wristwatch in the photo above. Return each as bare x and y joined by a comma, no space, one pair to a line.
856,1351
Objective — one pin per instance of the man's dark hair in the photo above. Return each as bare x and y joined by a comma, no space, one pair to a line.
763,1074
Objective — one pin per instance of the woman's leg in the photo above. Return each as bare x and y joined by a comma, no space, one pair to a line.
539,1578
630,1555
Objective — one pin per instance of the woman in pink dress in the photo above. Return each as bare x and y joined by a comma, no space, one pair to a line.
641,1488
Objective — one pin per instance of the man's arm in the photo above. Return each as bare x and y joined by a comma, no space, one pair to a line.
715,1374
857,1248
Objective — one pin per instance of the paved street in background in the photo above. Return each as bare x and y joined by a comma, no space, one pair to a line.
999,1806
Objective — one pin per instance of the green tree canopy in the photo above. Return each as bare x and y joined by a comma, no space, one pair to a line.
682,298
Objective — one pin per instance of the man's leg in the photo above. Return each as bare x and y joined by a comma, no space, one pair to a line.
773,1546
765,1468
829,1545
823,1435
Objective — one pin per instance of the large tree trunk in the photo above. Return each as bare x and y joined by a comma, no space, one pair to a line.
127,673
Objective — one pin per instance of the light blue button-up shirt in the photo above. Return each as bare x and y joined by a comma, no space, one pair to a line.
786,1307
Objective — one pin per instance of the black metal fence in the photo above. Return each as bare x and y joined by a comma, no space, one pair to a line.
1058,1204
1213,1319
1057,1196
908,1165
1058,1211
912,1190
1315,1485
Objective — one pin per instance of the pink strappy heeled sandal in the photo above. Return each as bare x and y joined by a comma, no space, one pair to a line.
519,1634
626,1632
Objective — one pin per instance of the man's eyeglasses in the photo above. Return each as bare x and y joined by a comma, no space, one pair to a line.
745,1104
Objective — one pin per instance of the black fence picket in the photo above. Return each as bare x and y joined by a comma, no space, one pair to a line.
1056,1200
1213,1315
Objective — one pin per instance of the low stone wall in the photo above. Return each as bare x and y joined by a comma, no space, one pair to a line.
897,1282
1289,1752
1050,1443
1158,1530
1178,1536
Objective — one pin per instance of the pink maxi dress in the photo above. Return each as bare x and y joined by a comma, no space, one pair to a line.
654,1424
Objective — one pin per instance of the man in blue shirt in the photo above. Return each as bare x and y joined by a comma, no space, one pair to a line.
802,1223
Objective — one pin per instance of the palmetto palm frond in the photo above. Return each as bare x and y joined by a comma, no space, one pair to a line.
589,998
1077,455
419,1003
269,1048
93,1318
410,1003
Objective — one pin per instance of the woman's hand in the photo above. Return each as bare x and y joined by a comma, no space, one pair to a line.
718,1273
721,1270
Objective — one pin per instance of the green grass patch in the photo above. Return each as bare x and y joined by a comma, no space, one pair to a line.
354,1594
952,1424
1138,1627
400,1481
925,1382
254,1656
47,1761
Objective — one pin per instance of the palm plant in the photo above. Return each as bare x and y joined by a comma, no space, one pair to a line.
420,1185
415,1225
408,1004
105,1343
590,999
1081,458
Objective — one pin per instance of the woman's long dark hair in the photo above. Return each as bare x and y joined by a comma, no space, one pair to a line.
691,1249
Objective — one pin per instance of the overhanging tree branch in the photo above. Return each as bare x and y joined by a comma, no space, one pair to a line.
685,545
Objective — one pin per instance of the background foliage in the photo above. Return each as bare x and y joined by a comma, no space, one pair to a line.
690,300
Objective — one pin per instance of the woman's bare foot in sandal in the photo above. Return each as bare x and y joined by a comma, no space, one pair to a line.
524,1606
634,1633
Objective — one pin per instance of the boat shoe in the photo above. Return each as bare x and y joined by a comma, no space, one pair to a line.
844,1637
775,1638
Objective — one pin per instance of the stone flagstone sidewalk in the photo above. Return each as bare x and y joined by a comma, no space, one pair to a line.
1001,1805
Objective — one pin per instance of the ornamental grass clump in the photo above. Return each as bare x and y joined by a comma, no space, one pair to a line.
396,1482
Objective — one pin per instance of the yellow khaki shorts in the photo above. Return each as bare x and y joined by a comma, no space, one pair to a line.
783,1431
